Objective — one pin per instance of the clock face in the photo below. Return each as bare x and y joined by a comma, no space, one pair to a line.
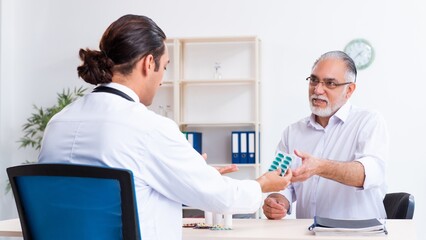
361,52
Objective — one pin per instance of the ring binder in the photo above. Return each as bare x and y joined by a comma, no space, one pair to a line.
243,147
195,139
235,147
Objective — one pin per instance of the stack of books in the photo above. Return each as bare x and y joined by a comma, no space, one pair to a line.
341,227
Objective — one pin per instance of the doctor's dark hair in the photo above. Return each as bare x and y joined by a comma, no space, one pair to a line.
351,71
125,41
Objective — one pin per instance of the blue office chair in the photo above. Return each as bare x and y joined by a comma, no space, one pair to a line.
66,201
399,205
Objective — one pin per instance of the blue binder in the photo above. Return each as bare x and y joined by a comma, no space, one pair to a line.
195,139
251,143
243,147
235,147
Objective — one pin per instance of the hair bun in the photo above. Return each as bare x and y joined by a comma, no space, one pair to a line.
96,67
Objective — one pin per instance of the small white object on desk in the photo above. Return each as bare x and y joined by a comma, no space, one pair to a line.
228,220
217,219
208,216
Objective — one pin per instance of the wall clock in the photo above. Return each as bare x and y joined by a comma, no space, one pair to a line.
361,51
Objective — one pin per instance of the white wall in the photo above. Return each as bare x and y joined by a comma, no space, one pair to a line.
40,41
7,110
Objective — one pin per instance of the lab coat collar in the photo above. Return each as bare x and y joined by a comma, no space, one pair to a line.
124,89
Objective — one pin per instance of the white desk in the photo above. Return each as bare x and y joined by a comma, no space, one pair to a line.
259,229
290,229
10,228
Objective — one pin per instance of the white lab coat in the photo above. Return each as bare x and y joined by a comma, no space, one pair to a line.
107,130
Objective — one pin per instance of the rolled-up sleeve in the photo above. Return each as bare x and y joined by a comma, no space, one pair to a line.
373,150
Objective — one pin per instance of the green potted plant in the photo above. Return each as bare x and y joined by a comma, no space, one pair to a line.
37,122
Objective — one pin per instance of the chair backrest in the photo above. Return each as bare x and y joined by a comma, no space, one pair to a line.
399,205
66,201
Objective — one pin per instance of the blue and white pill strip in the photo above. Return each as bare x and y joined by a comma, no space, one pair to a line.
283,161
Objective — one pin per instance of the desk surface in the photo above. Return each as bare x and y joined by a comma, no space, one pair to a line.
10,228
290,229
259,229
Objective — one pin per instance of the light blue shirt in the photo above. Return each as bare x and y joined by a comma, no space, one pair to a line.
107,130
352,134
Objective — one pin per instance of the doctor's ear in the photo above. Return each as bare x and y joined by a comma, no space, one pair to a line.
150,63
147,64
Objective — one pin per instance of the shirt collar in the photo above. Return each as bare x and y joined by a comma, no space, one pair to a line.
341,114
124,89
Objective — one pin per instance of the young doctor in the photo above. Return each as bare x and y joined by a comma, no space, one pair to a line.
112,126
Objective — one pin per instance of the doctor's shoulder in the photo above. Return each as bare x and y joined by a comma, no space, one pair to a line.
158,120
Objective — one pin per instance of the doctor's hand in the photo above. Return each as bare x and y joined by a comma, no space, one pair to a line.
227,169
310,166
273,182
223,170
275,206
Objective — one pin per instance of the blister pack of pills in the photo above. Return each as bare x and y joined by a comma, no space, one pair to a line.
283,161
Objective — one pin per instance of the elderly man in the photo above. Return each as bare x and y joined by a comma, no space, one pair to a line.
341,151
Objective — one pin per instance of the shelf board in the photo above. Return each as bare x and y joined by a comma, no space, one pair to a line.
240,165
190,208
219,81
217,124
219,39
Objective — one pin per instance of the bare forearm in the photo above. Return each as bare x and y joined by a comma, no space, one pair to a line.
348,173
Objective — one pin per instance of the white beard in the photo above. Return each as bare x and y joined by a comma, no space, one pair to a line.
329,109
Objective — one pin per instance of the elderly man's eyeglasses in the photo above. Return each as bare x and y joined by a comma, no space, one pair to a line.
330,84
